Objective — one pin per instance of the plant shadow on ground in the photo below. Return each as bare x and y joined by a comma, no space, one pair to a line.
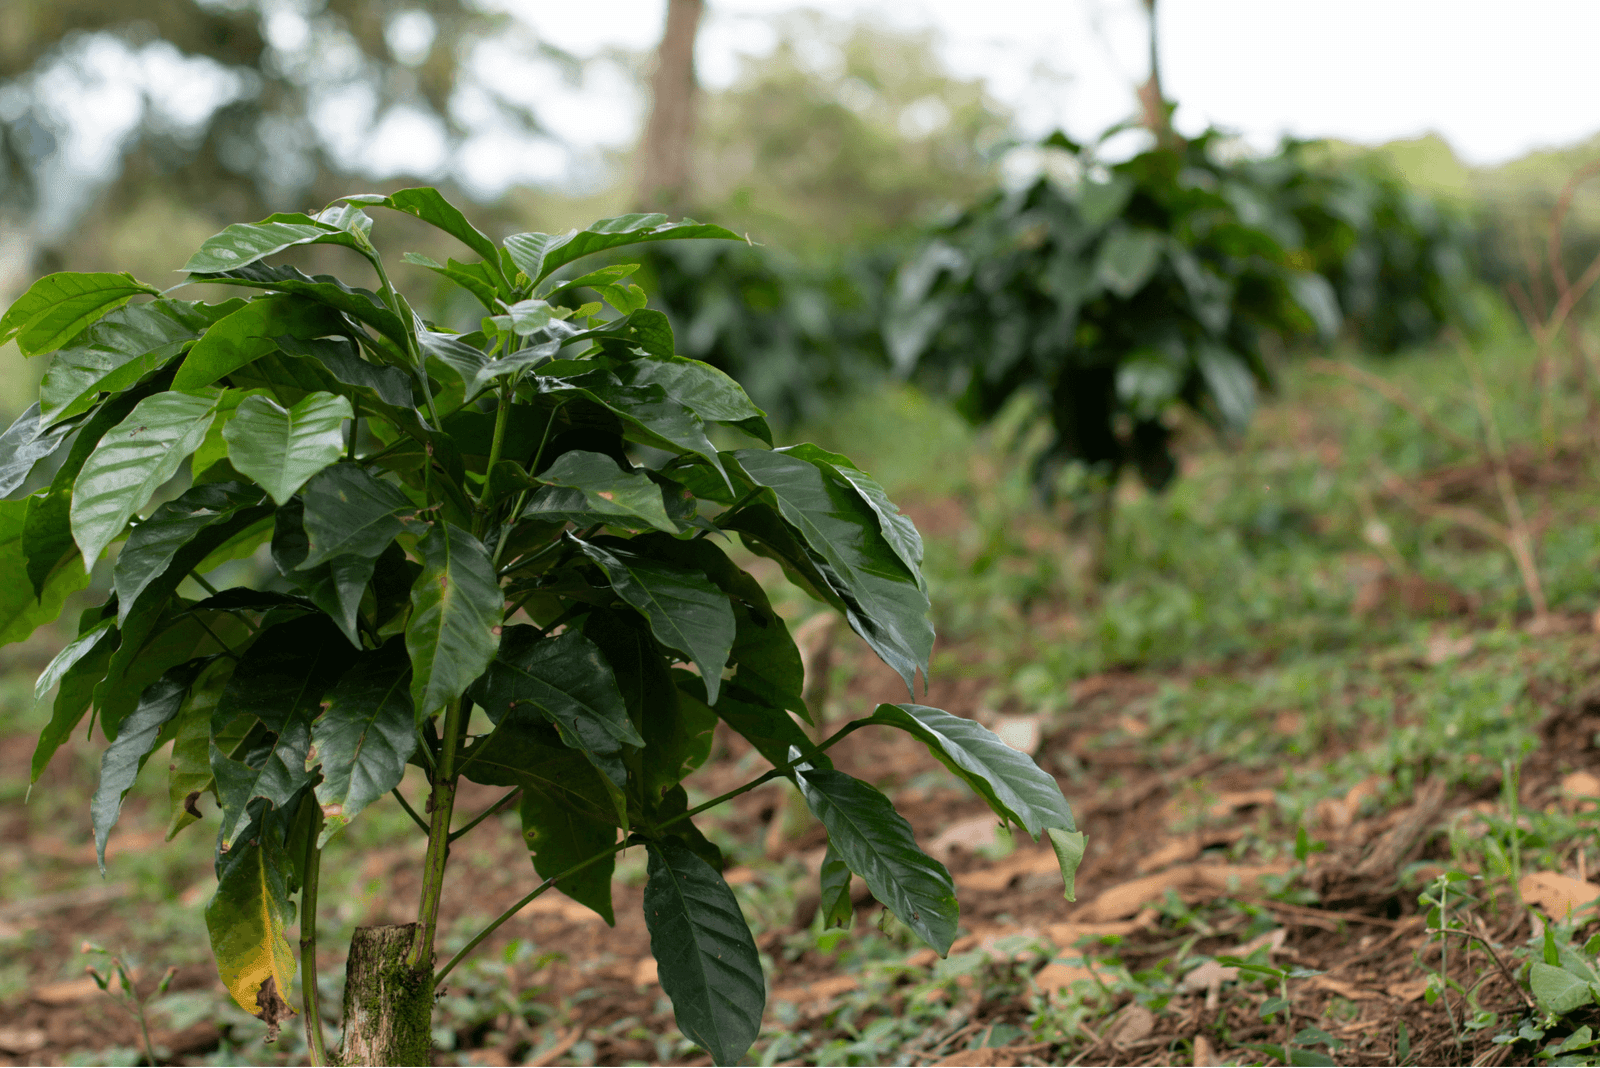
1334,788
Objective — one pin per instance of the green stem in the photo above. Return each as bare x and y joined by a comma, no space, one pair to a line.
355,430
308,946
418,820
442,803
392,299
500,420
485,814
213,591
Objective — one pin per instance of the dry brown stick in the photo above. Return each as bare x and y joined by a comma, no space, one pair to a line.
1558,271
1394,395
1466,517
1520,540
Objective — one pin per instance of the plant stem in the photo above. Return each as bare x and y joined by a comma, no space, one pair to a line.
418,820
308,946
355,430
495,445
392,298
442,804
485,814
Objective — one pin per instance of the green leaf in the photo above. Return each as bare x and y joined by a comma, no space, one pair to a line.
836,907
877,844
1127,259
350,513
249,333
340,358
1012,784
59,307
1230,382
648,416
365,735
157,542
280,681
569,681
882,599
1069,847
77,668
764,726
244,243
121,349
479,279
24,444
429,205
158,635
134,460
21,613
686,612
335,586
524,750
1557,990
591,483
536,255
701,388
897,528
707,959
189,772
456,613
141,733
281,449
363,305
247,919
558,838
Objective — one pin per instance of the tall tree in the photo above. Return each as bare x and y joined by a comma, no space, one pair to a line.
669,136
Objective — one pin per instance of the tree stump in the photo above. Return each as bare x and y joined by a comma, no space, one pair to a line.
388,1001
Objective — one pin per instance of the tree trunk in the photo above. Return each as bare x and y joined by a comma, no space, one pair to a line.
1152,101
388,1002
664,155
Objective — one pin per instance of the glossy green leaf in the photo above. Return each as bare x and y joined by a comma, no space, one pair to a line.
362,305
155,543
121,349
427,204
590,483
157,636
456,612
685,610
897,528
536,255
21,612
479,279
335,586
242,337
281,682
883,599
1069,847
570,683
558,838
648,416
340,358
701,388
76,669
245,243
59,307
134,460
364,736
248,919
124,758
768,728
24,444
524,750
350,513
282,448
708,964
836,907
877,844
1016,788
189,769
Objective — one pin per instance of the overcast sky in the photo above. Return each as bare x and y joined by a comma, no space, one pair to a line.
1495,78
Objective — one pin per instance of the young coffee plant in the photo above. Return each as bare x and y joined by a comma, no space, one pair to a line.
527,520
1113,292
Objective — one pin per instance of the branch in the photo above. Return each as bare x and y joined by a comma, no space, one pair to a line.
486,813
400,797
1394,395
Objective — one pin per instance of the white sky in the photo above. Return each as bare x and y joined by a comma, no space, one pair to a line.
1497,79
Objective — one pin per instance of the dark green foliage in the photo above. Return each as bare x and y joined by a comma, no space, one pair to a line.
1401,263
1113,294
528,518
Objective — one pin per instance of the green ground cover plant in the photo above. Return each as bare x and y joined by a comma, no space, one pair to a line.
499,558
